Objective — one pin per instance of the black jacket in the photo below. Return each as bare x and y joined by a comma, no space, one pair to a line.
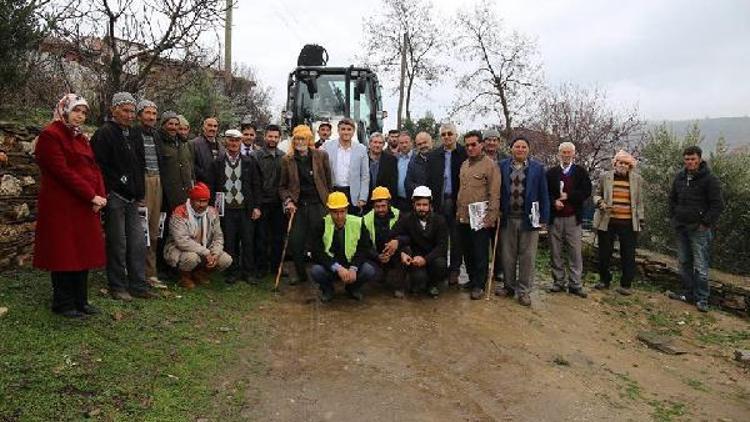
580,193
387,174
436,173
321,257
250,179
430,242
416,174
121,160
203,157
269,168
695,199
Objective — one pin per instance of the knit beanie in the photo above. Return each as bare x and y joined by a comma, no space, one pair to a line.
122,98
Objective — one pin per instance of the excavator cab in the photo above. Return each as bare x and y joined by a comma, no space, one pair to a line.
317,93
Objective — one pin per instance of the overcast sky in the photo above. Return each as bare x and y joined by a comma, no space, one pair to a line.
674,59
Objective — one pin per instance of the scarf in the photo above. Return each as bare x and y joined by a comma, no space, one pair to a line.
193,223
65,106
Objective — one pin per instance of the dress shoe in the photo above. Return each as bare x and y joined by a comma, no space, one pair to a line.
503,291
89,310
578,291
72,314
602,286
556,288
121,295
144,294
477,293
625,291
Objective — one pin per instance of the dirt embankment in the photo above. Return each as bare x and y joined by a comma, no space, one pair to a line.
455,359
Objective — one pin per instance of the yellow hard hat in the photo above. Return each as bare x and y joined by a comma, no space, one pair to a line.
380,192
337,200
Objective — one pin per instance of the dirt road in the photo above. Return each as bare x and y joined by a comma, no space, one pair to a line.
453,359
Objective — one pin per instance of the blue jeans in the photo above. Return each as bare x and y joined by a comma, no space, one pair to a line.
325,277
694,253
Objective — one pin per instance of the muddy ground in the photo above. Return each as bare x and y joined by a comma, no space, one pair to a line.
453,359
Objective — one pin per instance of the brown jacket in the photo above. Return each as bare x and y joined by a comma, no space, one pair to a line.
479,181
289,183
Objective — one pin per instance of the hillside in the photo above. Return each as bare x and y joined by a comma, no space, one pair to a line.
736,130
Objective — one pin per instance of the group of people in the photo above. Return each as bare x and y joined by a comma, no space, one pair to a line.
402,213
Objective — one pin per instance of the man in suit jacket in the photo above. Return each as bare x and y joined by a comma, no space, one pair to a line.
523,191
443,168
206,148
383,169
349,166
569,186
237,177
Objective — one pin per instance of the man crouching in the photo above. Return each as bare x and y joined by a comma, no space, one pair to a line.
341,251
196,244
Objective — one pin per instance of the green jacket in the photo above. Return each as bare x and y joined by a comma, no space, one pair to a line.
356,246
176,171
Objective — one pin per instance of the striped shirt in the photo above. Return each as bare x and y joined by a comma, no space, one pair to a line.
621,209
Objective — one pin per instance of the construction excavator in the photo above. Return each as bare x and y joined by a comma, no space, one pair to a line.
318,93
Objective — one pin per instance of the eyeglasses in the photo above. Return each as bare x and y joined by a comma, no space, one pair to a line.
446,134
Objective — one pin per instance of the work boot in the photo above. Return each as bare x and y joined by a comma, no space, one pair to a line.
578,291
556,288
201,276
186,280
355,293
326,296
524,300
477,293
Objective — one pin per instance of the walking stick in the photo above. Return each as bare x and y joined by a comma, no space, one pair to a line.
488,285
283,252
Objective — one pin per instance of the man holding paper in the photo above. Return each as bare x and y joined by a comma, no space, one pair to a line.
477,210
525,209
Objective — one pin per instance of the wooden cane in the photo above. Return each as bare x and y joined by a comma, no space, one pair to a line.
488,285
283,252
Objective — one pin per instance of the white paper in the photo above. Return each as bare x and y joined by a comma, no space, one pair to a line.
162,222
219,203
477,214
534,216
143,213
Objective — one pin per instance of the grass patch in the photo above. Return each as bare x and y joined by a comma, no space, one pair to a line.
157,362
720,337
630,388
696,384
666,410
666,323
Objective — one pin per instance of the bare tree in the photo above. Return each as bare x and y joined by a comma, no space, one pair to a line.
503,70
133,43
582,116
249,96
385,35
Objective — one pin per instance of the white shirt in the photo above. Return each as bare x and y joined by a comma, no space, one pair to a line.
343,162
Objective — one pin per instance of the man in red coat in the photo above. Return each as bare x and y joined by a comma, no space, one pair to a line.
68,239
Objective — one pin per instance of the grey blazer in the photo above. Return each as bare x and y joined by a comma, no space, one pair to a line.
359,168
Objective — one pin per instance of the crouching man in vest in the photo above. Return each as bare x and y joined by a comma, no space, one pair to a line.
378,224
196,244
341,252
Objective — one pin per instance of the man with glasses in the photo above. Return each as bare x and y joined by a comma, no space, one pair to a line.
480,182
443,166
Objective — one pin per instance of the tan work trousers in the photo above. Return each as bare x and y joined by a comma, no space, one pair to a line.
153,204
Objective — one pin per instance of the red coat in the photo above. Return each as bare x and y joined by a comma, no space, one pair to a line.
68,233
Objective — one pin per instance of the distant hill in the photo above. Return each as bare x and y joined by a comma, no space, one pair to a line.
736,130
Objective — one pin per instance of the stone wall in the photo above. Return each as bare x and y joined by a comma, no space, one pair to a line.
730,292
19,185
